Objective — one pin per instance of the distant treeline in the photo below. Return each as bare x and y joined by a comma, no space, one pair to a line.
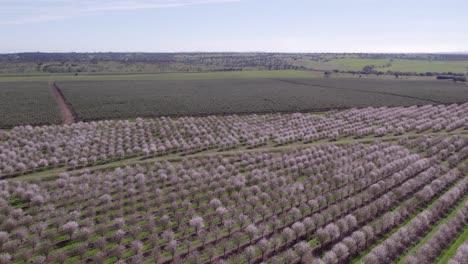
204,62
455,78
439,75
399,73
200,56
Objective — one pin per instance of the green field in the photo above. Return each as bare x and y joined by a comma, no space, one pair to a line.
357,64
421,66
112,99
345,64
41,77
27,103
441,92
28,100
135,63
162,76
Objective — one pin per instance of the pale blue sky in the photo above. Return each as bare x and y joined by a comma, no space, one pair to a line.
234,25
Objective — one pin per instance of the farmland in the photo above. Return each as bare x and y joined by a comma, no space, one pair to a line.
233,167
233,132
398,65
29,103
28,99
371,185
96,100
56,63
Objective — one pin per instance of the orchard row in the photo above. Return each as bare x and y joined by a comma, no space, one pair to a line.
25,149
327,203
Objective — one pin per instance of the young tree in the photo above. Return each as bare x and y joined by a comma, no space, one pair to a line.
172,247
118,251
251,231
330,258
220,212
298,228
215,203
237,237
99,258
197,223
250,253
194,257
302,249
168,235
153,240
351,244
118,236
137,246
341,252
211,252
156,255
229,225
70,228
37,228
263,245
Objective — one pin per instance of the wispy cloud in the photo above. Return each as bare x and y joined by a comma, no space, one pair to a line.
17,12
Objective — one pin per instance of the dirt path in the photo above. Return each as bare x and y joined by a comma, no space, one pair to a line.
67,114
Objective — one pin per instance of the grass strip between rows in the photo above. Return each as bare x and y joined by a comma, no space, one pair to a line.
359,258
451,250
434,229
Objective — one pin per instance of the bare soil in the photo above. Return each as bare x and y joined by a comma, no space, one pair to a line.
67,115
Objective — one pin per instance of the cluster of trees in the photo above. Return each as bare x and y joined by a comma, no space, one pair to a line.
27,148
370,69
165,57
129,62
400,241
264,206
266,61
204,62
444,235
453,77
398,120
350,246
343,249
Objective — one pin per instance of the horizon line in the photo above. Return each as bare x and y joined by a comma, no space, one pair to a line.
234,52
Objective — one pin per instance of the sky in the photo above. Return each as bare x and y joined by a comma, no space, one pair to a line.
233,25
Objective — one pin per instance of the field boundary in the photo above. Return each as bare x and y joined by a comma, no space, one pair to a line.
66,110
358,90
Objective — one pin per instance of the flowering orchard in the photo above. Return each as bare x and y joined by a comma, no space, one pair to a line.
372,185
25,149
402,199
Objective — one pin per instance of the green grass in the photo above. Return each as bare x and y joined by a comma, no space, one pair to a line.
422,66
205,75
27,103
162,76
452,250
244,92
435,228
402,65
361,256
342,64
